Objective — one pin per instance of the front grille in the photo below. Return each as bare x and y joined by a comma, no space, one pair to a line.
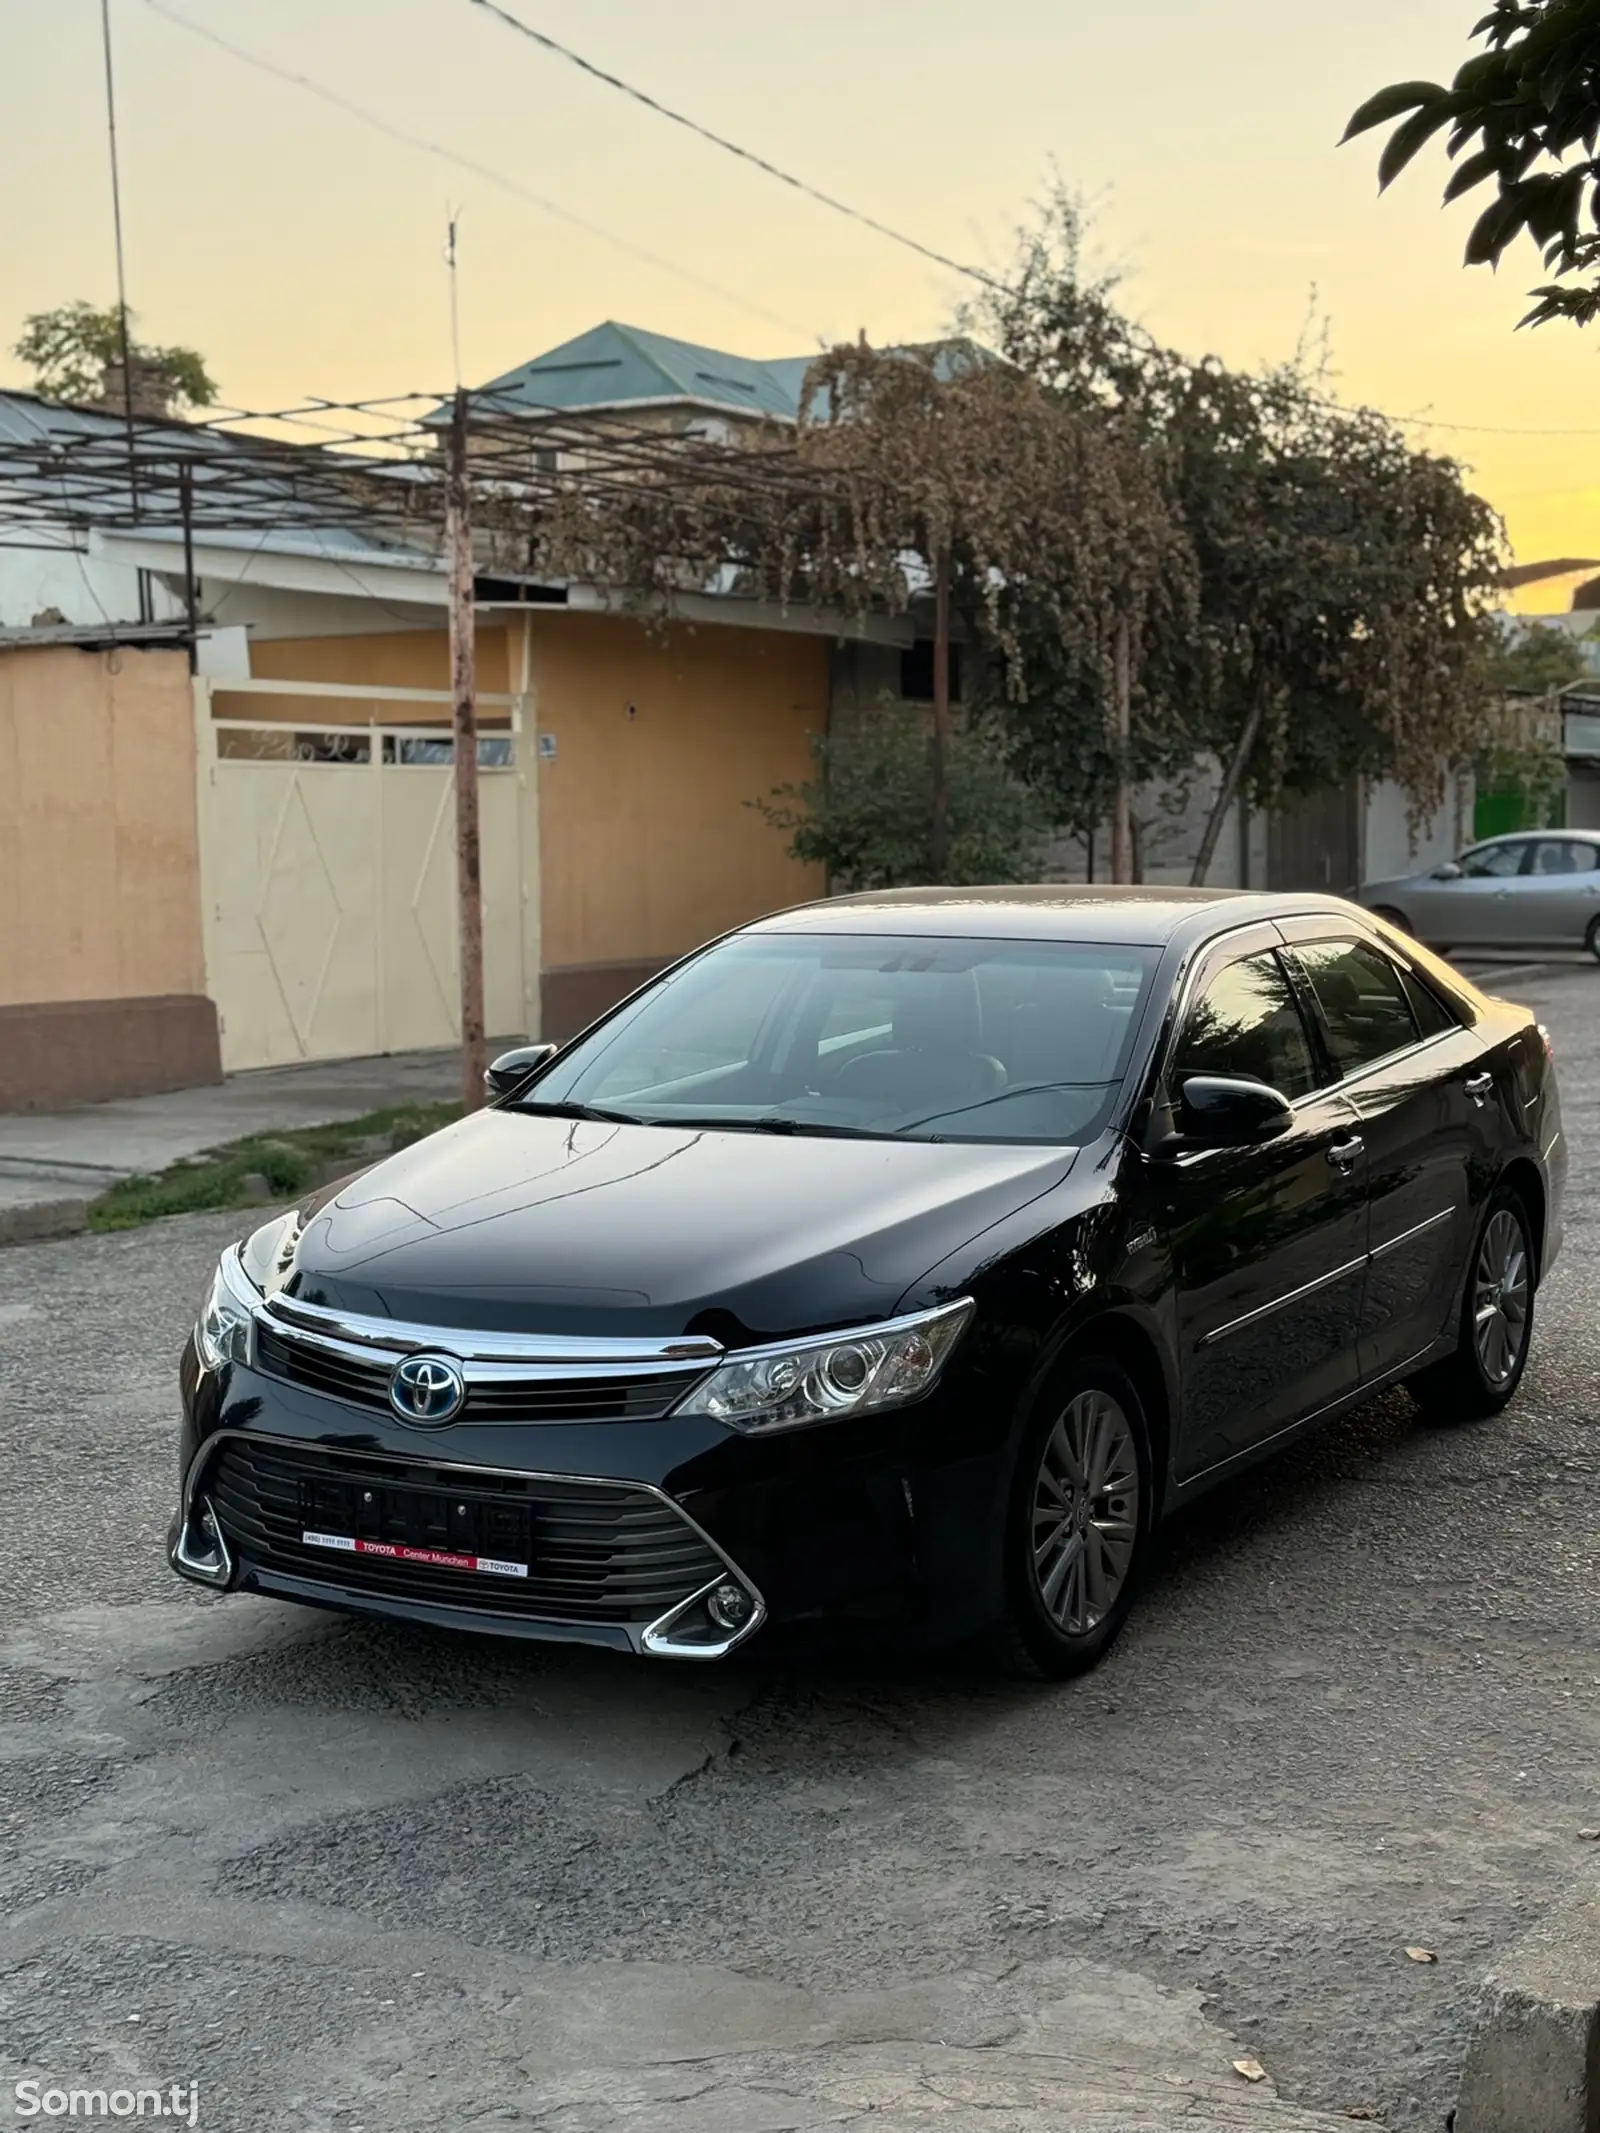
320,1370
644,1397
608,1553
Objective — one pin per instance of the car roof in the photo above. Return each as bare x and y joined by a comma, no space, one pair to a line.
1583,836
1151,917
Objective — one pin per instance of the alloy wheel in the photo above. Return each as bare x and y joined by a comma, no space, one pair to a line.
1500,1298
1085,1514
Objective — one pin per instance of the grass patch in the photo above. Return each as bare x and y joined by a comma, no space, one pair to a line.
286,1164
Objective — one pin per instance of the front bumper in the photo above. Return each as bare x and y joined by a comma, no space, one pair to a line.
881,1522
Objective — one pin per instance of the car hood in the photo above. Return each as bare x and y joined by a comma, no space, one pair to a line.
522,1222
1371,892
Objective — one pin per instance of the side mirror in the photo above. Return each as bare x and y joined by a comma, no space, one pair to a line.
512,1069
1219,1112
1450,870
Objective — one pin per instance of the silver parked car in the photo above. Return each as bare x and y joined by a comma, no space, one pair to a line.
1527,890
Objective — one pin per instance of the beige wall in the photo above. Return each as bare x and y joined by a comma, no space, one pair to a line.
99,867
648,844
400,659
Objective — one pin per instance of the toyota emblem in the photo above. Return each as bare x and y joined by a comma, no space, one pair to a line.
427,1390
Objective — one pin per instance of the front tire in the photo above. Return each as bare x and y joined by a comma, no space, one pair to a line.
1496,1320
1078,1522
1591,939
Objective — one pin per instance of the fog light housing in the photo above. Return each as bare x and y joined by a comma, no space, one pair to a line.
730,1606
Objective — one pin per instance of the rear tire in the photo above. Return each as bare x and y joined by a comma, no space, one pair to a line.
1591,940
1392,917
1496,1326
1077,1525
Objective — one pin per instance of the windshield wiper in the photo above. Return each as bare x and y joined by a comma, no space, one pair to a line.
565,1110
777,1123
1029,1088
774,1122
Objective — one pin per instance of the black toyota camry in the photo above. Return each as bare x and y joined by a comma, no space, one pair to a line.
896,1263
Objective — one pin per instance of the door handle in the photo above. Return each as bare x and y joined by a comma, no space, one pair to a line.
1478,1088
1343,1154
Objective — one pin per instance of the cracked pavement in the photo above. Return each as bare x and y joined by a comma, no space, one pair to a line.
354,1878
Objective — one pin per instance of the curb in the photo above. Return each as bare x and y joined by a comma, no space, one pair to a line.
40,1220
1533,2065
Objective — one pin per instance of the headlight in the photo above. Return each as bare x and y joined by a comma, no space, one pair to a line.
222,1331
849,1373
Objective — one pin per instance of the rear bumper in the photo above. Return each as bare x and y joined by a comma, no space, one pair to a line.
887,1522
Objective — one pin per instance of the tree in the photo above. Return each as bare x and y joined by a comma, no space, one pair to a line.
1524,120
1536,657
1342,581
866,815
68,350
1047,531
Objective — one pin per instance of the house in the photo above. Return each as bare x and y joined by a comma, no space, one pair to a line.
225,757
658,383
251,863
1573,727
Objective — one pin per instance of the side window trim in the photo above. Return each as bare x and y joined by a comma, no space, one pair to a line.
1311,927
1305,998
1312,1006
1216,958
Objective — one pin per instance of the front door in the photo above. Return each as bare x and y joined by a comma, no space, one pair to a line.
1423,1101
1267,1243
1478,909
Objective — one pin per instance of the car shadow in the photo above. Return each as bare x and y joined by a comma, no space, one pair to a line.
354,1663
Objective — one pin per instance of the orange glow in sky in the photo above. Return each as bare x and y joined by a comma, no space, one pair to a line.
301,250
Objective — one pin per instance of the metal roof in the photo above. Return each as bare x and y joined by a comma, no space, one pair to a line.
614,364
71,467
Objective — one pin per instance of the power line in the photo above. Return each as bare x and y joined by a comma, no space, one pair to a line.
520,191
514,186
1485,429
717,140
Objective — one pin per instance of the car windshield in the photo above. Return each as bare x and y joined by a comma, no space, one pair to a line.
889,1035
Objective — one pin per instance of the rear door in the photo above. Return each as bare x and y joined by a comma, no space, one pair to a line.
1267,1243
1553,901
1423,1098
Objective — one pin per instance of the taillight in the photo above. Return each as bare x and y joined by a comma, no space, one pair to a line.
1549,1048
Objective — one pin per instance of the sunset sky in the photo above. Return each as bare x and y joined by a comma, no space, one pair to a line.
300,250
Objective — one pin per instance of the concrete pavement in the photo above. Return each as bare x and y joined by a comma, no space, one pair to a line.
345,1874
53,1163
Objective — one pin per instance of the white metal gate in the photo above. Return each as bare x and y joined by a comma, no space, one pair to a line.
328,876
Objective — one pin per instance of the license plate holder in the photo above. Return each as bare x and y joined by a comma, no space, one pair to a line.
437,1528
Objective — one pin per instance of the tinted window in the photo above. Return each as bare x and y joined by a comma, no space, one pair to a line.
1492,861
1563,855
888,1035
1432,1015
1246,1024
1363,1000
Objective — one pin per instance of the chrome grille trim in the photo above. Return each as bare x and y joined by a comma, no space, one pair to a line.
396,1337
496,1393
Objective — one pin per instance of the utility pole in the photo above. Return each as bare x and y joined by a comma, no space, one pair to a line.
191,586
464,692
1122,729
939,739
122,283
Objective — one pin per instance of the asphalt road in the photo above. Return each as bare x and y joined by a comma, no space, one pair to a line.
354,1879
